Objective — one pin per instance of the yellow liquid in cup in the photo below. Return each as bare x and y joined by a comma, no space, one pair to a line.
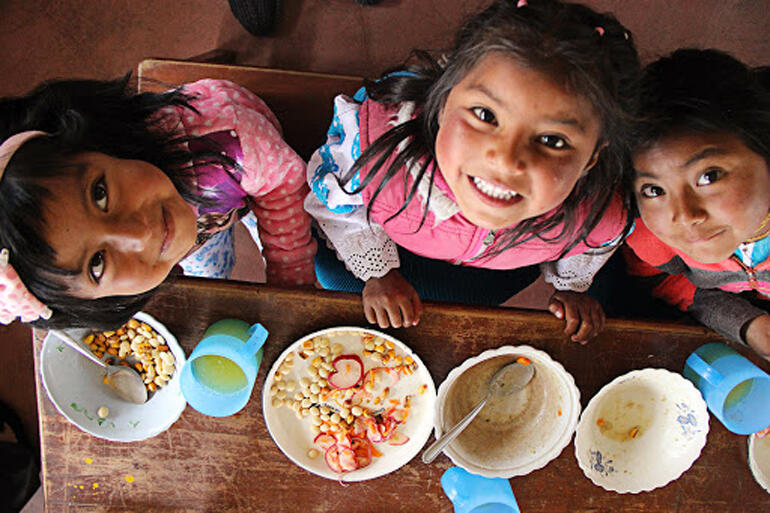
737,394
220,374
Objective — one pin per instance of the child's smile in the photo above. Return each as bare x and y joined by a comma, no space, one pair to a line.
120,223
512,143
702,194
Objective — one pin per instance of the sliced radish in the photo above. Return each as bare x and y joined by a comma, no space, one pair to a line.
387,428
324,441
348,371
332,458
398,438
343,440
372,432
347,459
363,450
398,415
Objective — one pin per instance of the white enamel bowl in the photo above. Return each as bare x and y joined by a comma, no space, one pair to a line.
74,385
515,435
641,431
294,437
759,460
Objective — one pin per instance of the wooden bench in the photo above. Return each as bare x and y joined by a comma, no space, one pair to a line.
303,101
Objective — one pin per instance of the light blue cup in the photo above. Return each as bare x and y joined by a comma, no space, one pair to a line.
477,494
735,390
219,375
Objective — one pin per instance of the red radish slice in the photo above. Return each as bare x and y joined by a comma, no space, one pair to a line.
332,458
348,371
343,440
372,433
324,441
387,428
398,438
347,459
363,451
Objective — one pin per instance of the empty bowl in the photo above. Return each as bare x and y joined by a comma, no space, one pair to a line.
512,435
74,385
641,431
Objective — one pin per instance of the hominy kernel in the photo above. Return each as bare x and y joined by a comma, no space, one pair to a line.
312,454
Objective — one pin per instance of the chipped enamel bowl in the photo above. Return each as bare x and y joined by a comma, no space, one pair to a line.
74,385
641,431
759,460
512,435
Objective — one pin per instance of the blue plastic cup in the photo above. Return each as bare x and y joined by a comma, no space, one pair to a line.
735,390
477,494
219,375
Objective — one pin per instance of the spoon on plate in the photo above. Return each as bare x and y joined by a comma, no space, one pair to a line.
125,381
507,379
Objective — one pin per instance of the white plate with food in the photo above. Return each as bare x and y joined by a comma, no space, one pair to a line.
75,385
349,403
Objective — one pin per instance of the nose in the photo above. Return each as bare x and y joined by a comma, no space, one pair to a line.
507,152
687,209
129,233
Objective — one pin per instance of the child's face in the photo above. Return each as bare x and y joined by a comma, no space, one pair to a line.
702,194
121,223
511,143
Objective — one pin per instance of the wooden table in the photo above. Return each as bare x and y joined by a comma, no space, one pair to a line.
232,465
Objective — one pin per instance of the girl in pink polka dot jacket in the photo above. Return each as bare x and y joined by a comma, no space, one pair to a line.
104,191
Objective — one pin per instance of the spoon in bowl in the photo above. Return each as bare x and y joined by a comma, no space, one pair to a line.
125,381
508,379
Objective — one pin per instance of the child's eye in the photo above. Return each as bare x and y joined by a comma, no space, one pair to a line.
99,194
710,176
651,191
485,115
96,266
553,141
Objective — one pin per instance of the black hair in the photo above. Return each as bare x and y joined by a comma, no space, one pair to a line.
590,54
108,117
704,91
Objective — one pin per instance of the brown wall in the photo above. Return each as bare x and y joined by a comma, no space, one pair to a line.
105,38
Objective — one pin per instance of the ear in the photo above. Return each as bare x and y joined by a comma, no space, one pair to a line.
594,158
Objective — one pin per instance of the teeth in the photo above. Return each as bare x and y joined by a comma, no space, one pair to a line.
493,190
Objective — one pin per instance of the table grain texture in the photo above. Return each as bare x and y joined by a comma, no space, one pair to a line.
224,465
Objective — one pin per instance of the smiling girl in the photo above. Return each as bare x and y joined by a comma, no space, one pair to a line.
702,186
459,179
104,191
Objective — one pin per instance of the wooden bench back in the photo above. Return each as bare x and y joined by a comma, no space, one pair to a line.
302,101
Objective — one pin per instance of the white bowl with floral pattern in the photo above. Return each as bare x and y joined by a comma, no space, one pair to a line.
74,385
641,431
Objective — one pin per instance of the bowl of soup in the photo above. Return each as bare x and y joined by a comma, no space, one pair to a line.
516,433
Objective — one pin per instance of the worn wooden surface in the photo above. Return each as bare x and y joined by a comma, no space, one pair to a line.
302,101
231,464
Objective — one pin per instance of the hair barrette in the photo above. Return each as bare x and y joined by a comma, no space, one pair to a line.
521,3
15,299
600,30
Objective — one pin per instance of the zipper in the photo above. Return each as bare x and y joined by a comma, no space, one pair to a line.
752,274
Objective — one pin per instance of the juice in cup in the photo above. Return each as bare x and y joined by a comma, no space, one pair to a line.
220,374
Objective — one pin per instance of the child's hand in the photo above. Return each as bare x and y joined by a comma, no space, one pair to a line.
584,315
391,301
758,335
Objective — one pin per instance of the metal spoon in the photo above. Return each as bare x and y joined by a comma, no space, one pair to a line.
508,379
125,381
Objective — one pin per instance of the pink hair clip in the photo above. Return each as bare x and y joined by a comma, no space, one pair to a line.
600,30
521,3
15,299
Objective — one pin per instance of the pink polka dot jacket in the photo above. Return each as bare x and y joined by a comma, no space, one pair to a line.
270,182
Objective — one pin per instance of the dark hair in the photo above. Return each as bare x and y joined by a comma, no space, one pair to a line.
590,54
704,91
82,116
